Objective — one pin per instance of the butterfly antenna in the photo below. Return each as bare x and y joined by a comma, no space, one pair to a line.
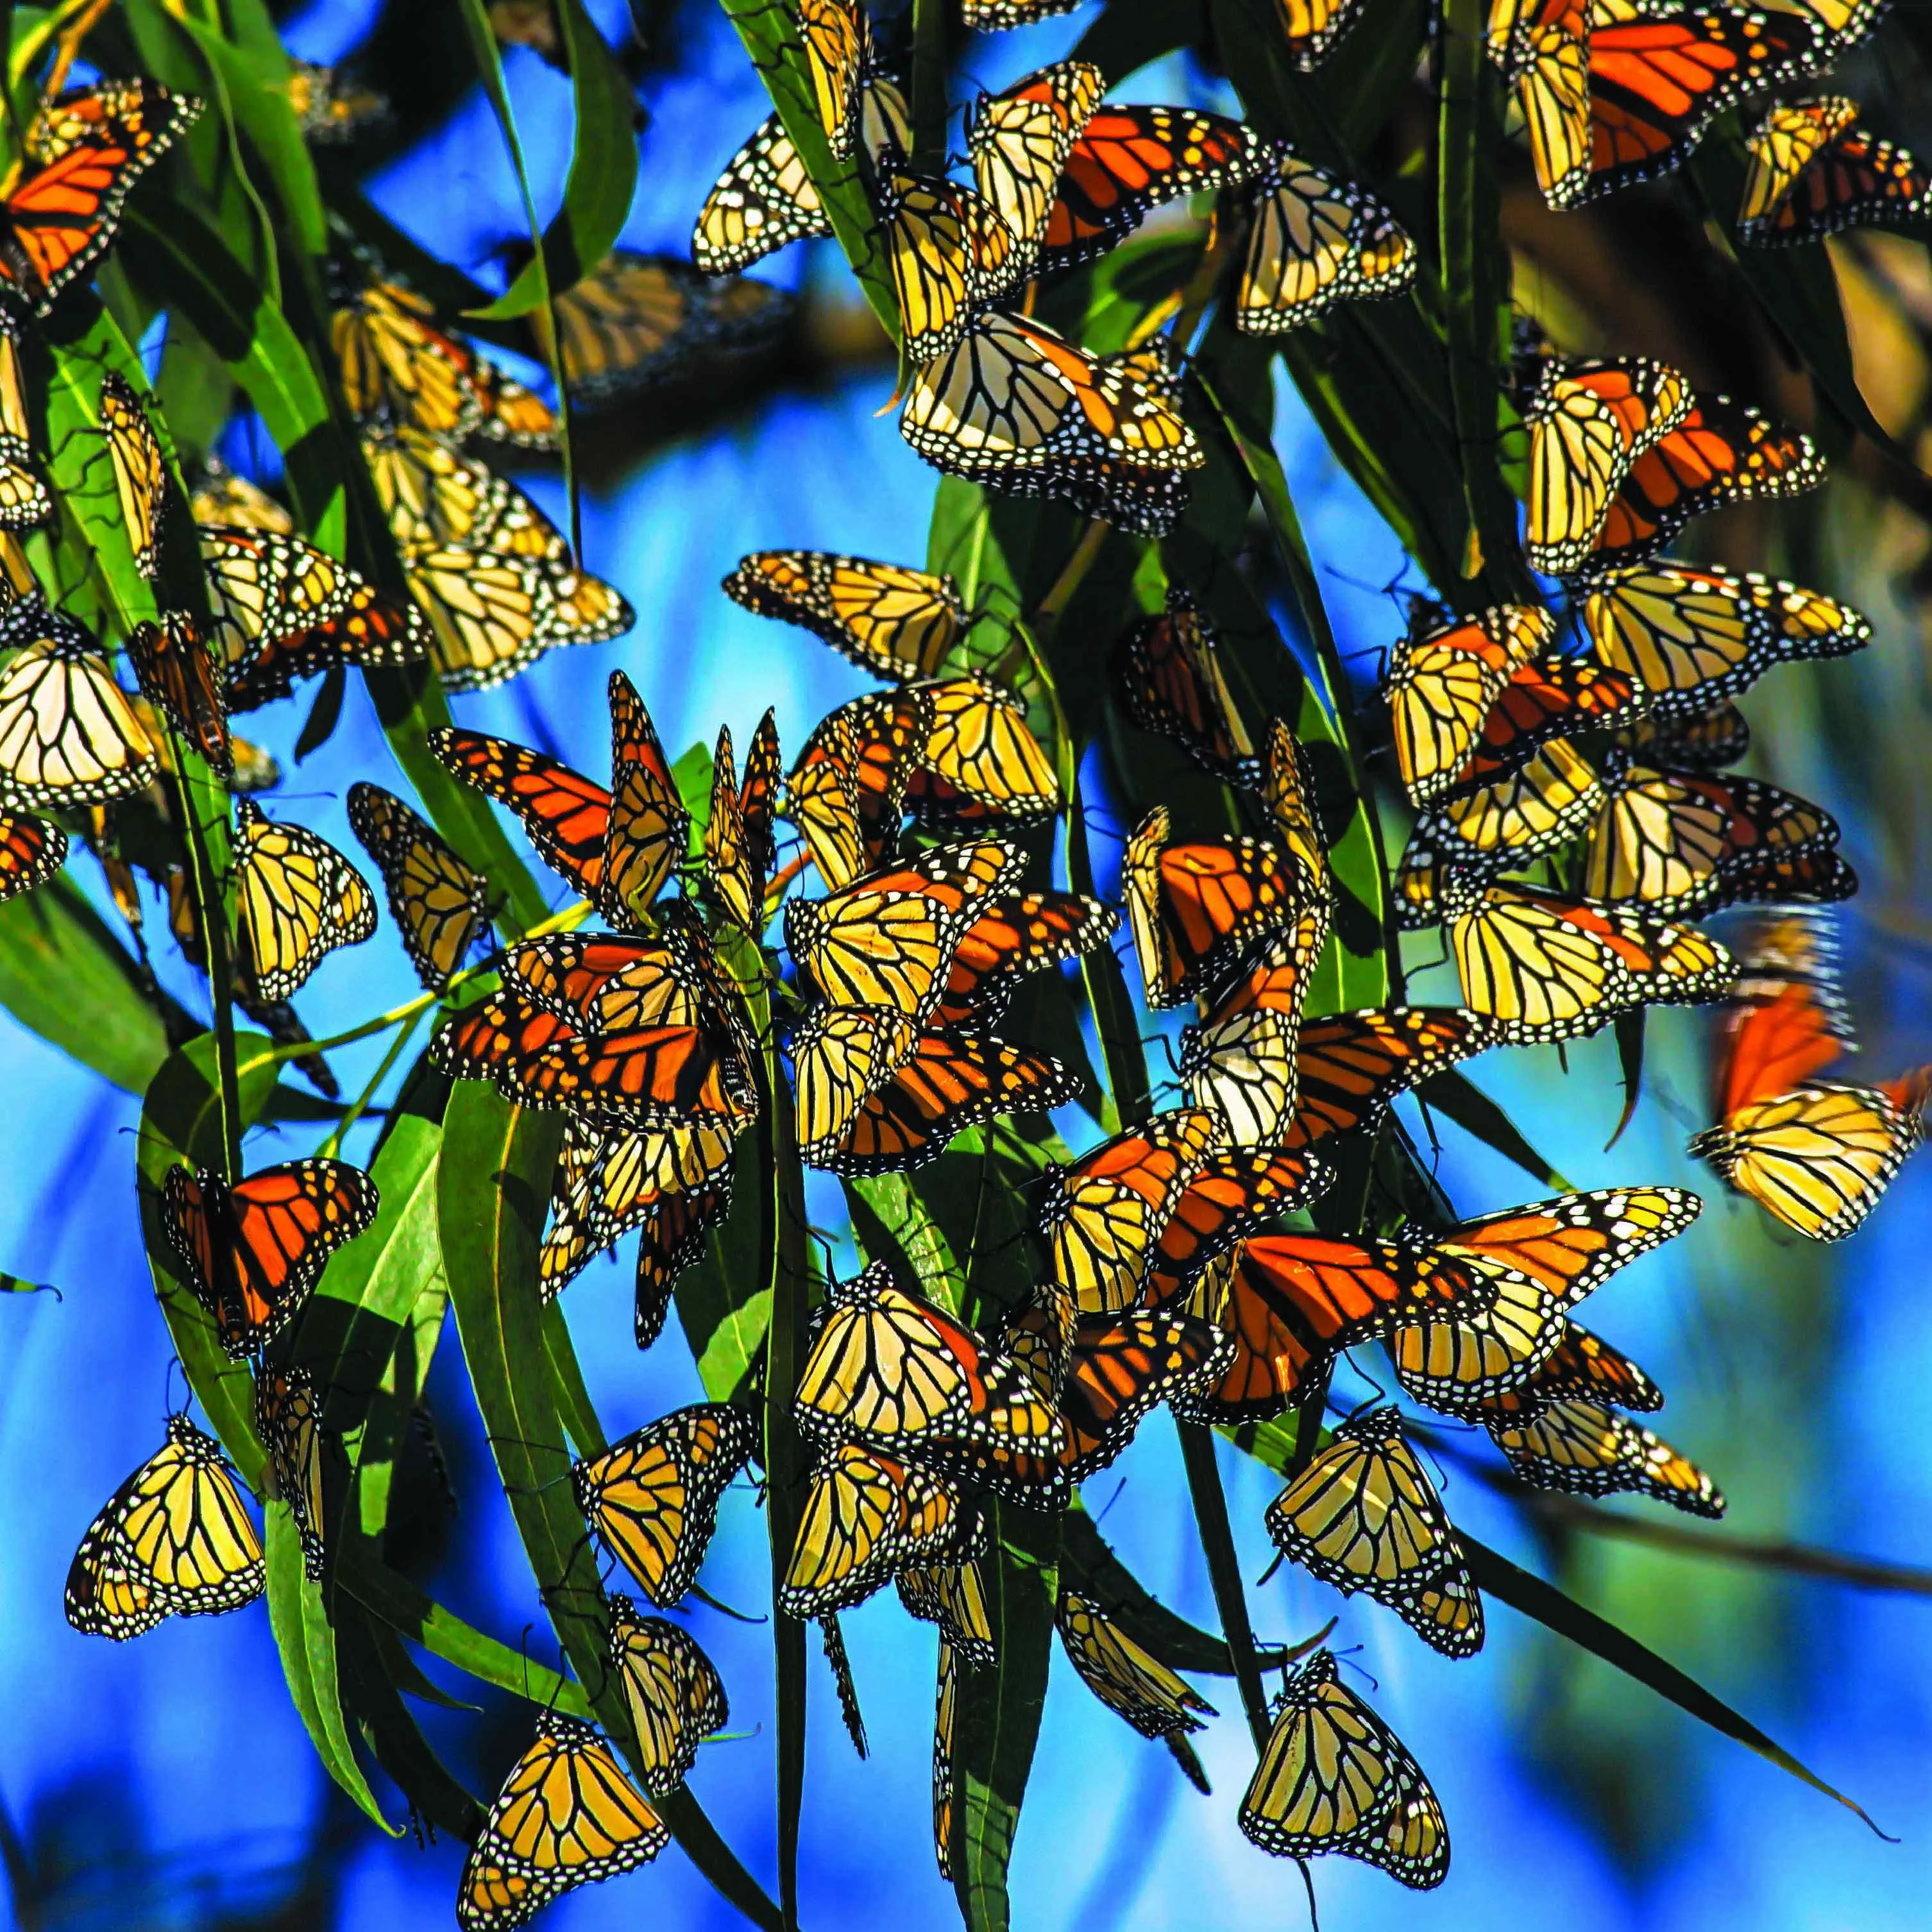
1279,1559
1367,1675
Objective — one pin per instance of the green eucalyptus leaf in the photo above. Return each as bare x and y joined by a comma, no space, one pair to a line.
65,977
603,173
307,1647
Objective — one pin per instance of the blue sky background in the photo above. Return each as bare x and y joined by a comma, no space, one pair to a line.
168,1783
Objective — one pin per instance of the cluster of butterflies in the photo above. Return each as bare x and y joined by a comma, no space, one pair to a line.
1167,1278
1612,92
1059,179
1604,771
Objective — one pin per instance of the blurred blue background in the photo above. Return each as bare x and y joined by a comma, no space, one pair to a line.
168,1783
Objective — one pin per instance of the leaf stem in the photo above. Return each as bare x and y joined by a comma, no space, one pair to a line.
1224,1571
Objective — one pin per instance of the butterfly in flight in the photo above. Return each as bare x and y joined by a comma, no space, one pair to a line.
1818,1154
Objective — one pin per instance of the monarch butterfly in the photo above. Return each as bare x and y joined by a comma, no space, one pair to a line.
68,736
252,1249
493,615
221,497
1170,672
1546,55
1587,422
441,907
1019,143
1120,1367
674,1232
396,365
1555,967
330,107
1129,1678
738,845
1681,842
1316,240
140,470
1197,910
1102,1214
1364,1515
993,17
822,800
952,1078
283,609
888,940
1293,1303
950,252
1722,452
638,320
174,1540
1706,742
1313,27
1443,682
609,982
1012,936
1660,73
1241,1060
945,1811
1589,1449
889,1366
1816,1154
1813,171
84,151
1126,162
1544,699
840,1055
837,49
1237,1190
647,1076
566,1816
31,851
497,1040
1582,1365
1015,405
650,830
953,1596
980,759
566,815
610,1180
434,496
652,1497
832,1639
1545,1259
1842,23
866,1516
891,1371
1333,1778
671,1689
847,793
288,1417
1350,1066
896,622
24,500
1690,634
1546,803
299,900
